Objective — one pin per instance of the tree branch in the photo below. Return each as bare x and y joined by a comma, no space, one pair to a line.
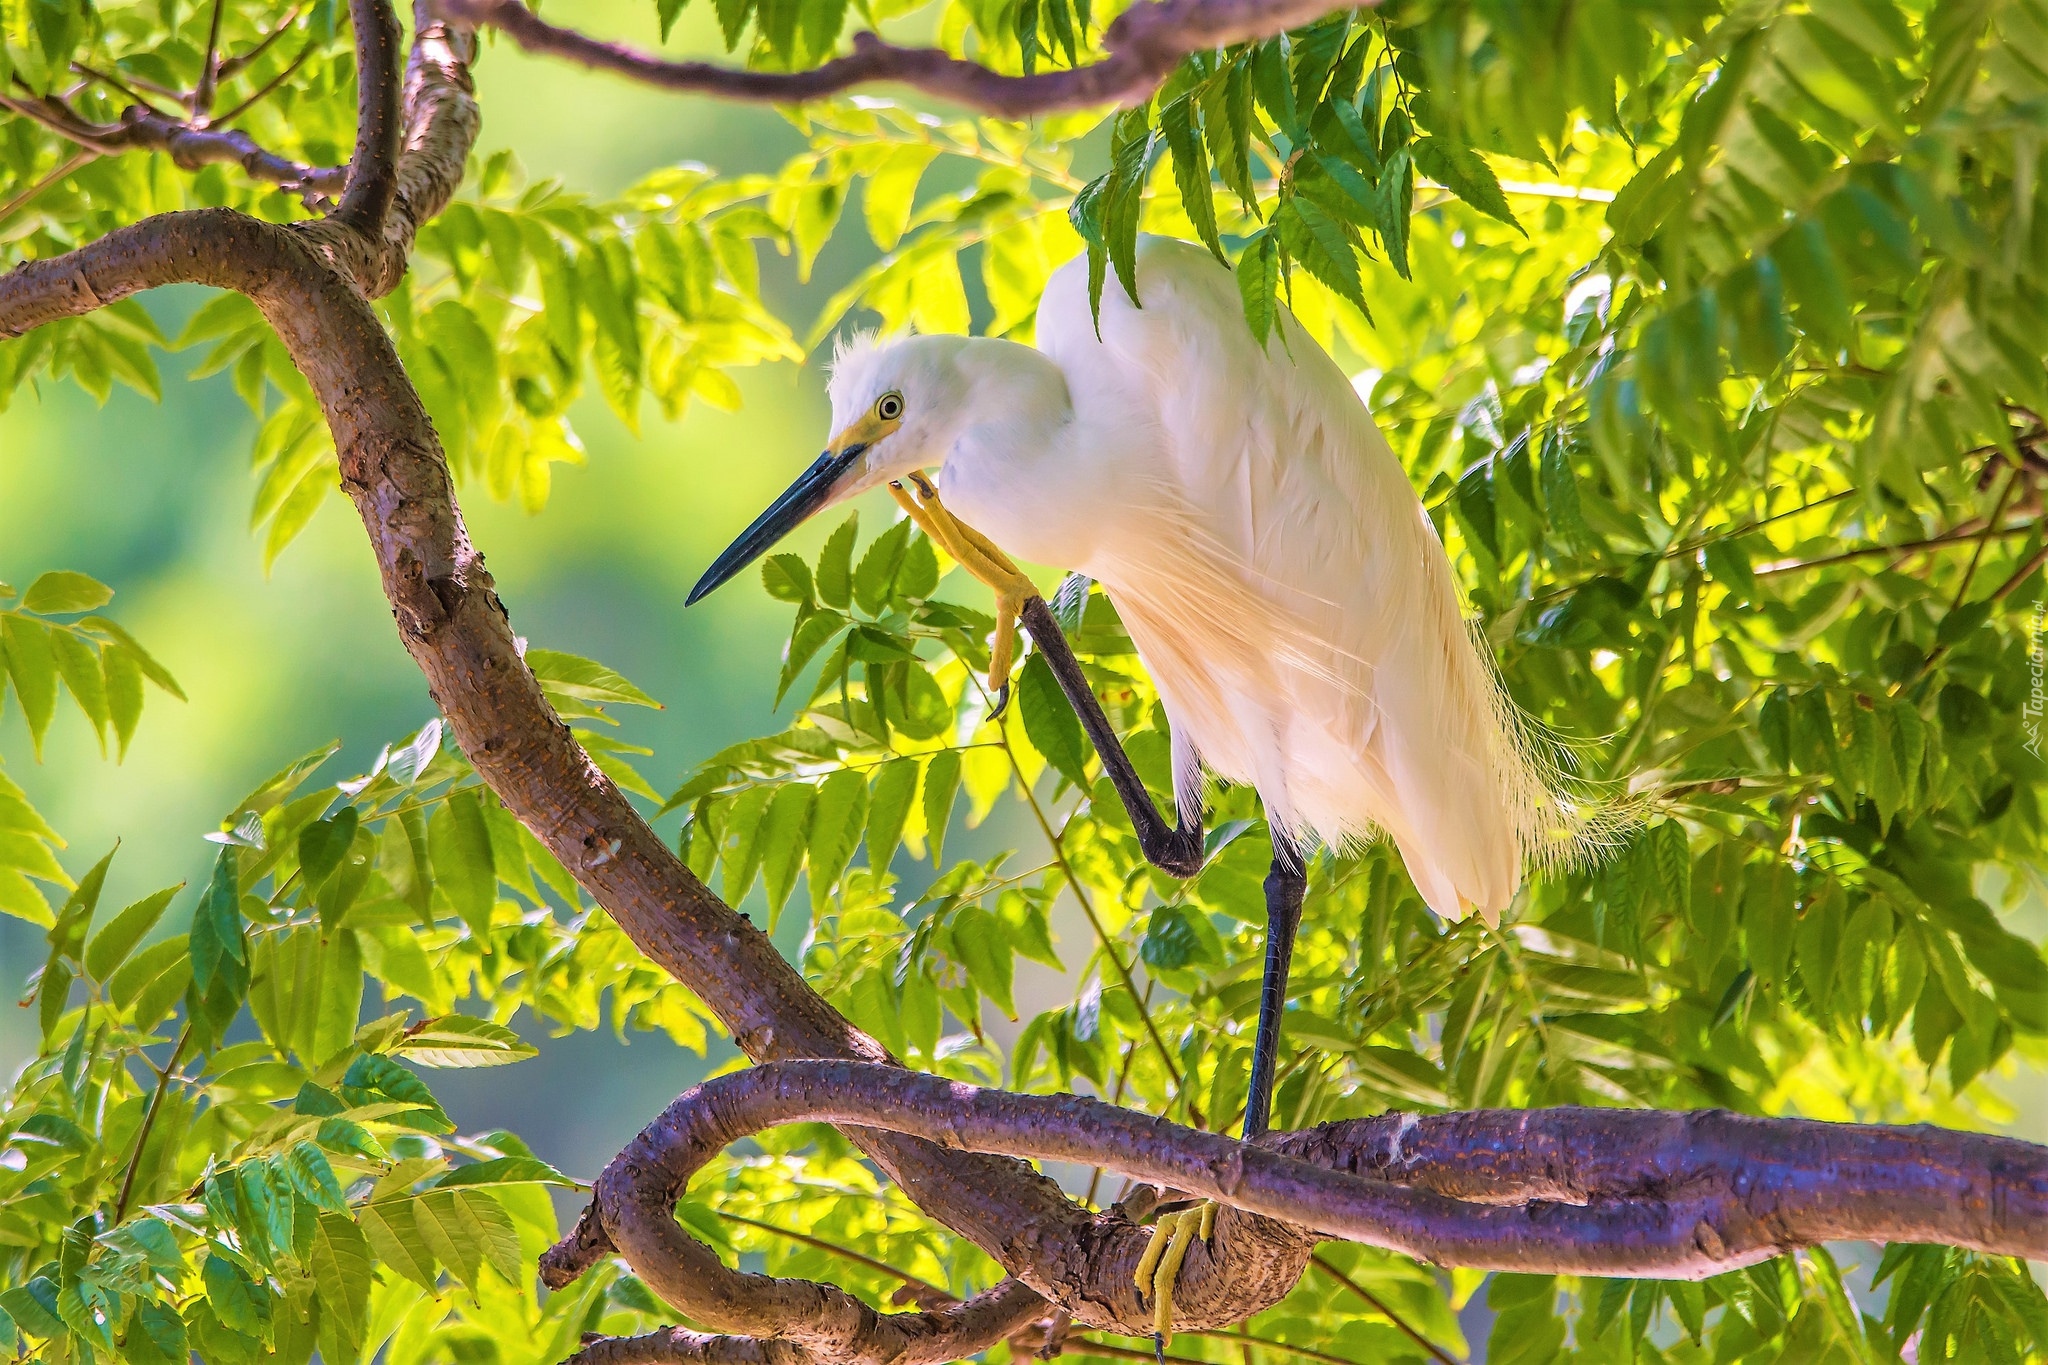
373,170
188,147
1144,44
1559,1191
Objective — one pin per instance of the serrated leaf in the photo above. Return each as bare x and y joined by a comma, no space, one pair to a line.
984,949
941,782
1050,723
459,848
1258,285
893,787
109,947
584,679
457,1040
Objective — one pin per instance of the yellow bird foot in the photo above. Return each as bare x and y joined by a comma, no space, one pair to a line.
979,556
1159,1268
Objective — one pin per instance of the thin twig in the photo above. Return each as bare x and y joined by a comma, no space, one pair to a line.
234,65
270,85
1102,937
1909,547
156,1100
925,1289
27,196
209,66
113,83
1382,1308
2012,483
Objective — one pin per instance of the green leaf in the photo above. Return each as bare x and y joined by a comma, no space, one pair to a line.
457,1040
1258,284
893,787
878,566
459,844
155,1336
1464,172
505,1170
237,1300
218,946
1050,723
62,592
787,578
984,949
324,843
891,190
110,945
941,781
835,565
393,1235
79,666
1323,249
567,675
836,824
1191,170
468,1229
782,839
343,1268
313,1179
32,664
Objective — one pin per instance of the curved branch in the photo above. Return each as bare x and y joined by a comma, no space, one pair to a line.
1144,44
1560,1191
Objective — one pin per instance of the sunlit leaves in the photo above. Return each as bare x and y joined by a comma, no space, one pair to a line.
96,662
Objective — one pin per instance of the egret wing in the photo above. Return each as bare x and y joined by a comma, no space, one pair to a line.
1286,588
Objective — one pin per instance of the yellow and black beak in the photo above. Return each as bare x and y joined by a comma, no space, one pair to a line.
811,491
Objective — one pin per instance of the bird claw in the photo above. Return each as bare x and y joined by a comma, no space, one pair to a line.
1159,1267
1002,700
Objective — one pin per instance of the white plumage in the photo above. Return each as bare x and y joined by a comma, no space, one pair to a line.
1286,591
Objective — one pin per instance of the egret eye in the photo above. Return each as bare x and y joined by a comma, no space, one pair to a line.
889,406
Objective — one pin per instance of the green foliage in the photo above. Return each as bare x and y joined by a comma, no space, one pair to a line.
301,1188
1713,336
97,662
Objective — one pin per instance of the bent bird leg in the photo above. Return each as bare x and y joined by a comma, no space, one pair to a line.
982,559
1159,1268
1175,849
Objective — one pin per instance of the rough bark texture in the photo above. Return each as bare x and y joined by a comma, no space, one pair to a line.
1144,43
1610,1193
1607,1192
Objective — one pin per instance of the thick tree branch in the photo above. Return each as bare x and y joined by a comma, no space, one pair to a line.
1576,1191
1144,44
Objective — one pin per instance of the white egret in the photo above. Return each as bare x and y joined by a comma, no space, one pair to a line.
1285,589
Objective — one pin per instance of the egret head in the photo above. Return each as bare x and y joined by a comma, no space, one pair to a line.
897,406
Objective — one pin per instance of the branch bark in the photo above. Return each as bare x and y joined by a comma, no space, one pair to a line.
188,147
1144,44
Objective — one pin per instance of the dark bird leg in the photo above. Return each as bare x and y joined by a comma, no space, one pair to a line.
1286,885
1174,849
1181,1225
